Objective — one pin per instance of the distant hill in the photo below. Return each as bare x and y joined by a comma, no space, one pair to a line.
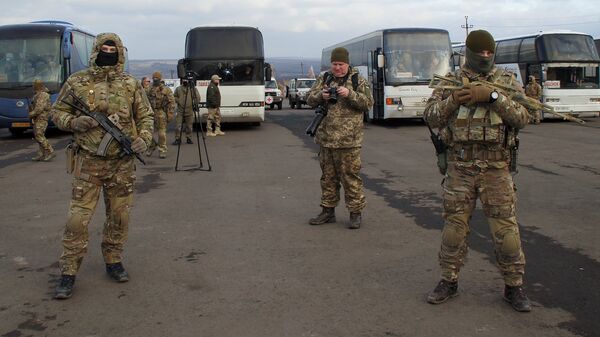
285,67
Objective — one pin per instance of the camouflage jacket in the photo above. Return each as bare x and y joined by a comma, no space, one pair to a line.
343,125
41,105
161,99
213,96
184,99
533,90
111,91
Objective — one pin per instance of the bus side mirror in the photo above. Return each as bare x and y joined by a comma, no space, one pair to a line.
380,61
181,68
268,72
66,46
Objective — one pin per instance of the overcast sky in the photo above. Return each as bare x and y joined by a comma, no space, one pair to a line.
301,28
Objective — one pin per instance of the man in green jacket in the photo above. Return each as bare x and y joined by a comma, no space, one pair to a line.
213,103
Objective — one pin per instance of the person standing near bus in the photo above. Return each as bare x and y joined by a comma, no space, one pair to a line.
534,90
107,89
145,82
39,113
185,111
340,137
213,104
163,103
478,126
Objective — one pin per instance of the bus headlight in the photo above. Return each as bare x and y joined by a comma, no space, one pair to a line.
594,99
552,100
394,101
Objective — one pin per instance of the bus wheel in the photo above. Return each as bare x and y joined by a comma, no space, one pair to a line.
16,132
255,123
298,105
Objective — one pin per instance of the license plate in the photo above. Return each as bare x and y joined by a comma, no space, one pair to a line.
21,125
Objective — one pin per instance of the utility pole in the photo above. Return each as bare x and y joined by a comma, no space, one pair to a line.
466,26
302,68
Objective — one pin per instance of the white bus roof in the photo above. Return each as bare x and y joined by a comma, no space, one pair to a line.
549,32
385,30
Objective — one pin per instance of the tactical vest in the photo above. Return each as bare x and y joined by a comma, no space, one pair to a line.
479,124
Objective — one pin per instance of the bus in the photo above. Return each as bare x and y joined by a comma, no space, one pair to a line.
236,54
398,64
565,63
46,50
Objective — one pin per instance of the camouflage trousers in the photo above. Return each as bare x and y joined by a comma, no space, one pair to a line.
39,134
214,116
497,192
187,125
341,167
160,125
115,178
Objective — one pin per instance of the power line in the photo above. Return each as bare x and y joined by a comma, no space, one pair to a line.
541,25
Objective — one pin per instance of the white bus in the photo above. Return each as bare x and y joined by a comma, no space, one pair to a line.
565,63
236,54
398,63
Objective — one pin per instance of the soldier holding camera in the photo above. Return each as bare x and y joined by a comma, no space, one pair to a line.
347,96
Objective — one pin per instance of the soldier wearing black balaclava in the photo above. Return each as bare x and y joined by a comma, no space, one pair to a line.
479,126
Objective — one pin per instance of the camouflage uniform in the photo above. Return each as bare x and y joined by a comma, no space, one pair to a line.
479,138
340,137
163,103
105,89
39,114
183,98
213,103
534,90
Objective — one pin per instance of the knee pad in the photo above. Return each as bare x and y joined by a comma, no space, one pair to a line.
511,245
452,237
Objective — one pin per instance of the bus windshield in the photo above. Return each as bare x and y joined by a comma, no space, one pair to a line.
224,43
413,57
232,72
24,59
567,47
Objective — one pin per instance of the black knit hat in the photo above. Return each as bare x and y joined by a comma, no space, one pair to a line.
340,54
480,40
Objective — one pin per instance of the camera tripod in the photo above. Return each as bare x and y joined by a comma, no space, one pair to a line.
191,92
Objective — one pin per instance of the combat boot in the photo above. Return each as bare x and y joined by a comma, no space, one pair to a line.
209,131
442,292
49,156
117,272
162,155
38,157
65,287
355,220
218,132
327,215
189,140
176,142
517,298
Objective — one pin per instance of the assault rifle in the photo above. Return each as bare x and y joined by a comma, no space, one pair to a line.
442,82
113,131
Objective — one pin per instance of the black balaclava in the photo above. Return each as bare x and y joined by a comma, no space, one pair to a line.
107,59
478,41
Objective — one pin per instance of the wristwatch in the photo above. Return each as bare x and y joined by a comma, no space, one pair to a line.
494,96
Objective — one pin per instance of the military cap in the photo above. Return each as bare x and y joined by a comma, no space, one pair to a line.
480,40
340,54
215,77
157,74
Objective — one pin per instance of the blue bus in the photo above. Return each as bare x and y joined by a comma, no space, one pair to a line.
45,50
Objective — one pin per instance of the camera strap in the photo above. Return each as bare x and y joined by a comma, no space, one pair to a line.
328,78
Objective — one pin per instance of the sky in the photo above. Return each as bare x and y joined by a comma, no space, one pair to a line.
302,28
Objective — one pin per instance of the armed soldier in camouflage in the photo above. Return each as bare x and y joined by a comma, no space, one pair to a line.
479,127
340,137
39,113
163,103
534,90
213,104
183,98
105,88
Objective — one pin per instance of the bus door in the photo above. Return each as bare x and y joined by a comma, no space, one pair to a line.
376,65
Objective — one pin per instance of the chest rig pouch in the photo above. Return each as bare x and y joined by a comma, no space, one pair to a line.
478,124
